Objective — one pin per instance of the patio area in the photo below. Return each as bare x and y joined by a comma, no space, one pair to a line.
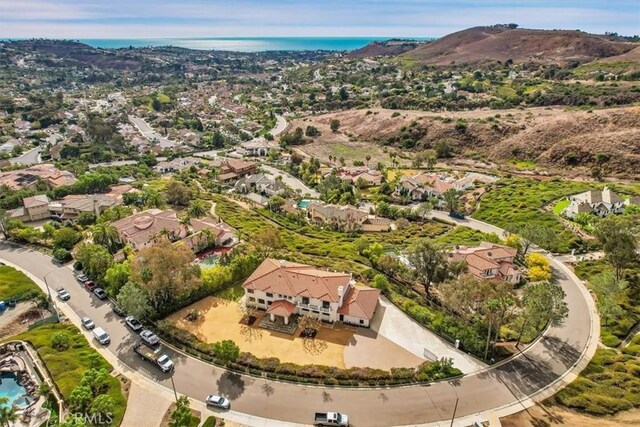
334,345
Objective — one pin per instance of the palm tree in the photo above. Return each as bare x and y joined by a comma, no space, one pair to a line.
197,209
155,199
8,413
106,235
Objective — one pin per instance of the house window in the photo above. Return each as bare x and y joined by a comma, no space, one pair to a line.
269,295
326,314
249,291
261,301
326,304
487,272
269,302
305,300
361,322
252,299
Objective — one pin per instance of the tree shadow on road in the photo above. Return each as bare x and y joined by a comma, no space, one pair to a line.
231,385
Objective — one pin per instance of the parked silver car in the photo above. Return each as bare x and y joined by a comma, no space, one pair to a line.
218,401
149,337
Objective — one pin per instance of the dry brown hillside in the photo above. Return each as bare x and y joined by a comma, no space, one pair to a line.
490,44
553,138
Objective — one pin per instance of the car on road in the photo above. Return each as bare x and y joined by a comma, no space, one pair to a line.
331,419
133,323
82,278
100,293
88,323
149,337
118,311
101,335
218,401
90,285
156,357
63,294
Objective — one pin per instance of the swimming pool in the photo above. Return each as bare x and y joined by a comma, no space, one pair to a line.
304,203
209,261
13,391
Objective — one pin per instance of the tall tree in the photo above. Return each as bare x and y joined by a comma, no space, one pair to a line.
181,417
451,199
610,293
429,264
620,241
178,193
8,413
268,242
166,271
542,303
197,209
5,218
106,235
134,301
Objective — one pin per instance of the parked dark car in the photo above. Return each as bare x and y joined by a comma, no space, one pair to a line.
118,311
456,215
90,285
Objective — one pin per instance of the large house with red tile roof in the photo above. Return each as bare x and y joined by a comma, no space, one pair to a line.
29,177
145,228
284,288
489,261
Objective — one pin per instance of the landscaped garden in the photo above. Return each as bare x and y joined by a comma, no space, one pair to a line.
15,284
74,364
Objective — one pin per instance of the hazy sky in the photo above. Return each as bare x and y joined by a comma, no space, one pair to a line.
238,18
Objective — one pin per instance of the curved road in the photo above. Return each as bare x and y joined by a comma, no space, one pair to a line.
535,374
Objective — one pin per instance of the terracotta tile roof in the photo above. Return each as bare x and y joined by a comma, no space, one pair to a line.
281,308
293,279
360,302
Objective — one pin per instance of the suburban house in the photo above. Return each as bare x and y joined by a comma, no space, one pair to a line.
177,164
423,186
73,205
284,288
145,228
346,218
359,175
34,208
597,202
489,261
259,183
29,177
233,169
257,147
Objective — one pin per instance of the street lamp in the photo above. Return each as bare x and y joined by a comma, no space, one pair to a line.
46,282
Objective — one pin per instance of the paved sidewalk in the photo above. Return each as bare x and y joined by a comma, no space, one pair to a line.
145,406
404,331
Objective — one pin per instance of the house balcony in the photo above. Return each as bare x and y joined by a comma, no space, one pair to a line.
313,307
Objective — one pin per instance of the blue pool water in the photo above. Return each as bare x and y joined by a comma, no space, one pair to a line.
13,391
209,261
304,203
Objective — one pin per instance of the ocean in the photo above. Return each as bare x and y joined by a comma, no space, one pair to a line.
242,44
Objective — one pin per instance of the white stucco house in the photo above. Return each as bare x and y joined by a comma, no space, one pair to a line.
284,288
597,202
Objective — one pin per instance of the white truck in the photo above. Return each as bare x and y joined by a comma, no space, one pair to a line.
162,361
331,419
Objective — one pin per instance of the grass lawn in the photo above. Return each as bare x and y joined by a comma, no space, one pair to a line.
234,293
67,366
517,201
14,283
524,164
560,206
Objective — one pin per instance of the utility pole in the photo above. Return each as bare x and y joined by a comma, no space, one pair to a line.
455,408
53,305
174,387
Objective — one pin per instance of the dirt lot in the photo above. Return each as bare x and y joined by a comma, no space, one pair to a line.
547,416
336,345
17,320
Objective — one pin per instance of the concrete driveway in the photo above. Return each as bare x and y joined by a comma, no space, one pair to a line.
393,324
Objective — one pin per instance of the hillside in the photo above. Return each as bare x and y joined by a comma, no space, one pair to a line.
555,139
491,44
386,48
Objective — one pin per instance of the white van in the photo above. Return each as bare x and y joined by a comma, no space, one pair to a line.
101,335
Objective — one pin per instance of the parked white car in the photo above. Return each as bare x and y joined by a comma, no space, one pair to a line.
149,337
133,323
218,401
88,323
63,294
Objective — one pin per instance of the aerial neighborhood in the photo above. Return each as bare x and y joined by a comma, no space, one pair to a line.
385,232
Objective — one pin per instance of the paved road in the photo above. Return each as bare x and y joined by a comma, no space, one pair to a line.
291,181
148,132
28,158
547,365
281,125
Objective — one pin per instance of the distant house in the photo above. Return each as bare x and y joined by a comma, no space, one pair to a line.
257,147
489,261
177,164
423,186
346,218
34,208
259,183
359,174
284,288
73,205
233,169
29,177
145,228
597,202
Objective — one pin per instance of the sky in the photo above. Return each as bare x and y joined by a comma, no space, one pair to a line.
311,18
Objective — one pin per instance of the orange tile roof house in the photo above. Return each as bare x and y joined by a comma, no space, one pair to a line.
143,229
233,169
284,288
489,261
346,218
29,177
